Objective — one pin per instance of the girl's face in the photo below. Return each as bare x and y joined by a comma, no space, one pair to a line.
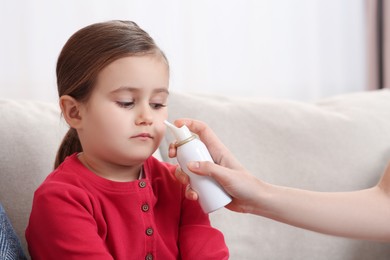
122,122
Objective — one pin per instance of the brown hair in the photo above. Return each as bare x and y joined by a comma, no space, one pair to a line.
85,54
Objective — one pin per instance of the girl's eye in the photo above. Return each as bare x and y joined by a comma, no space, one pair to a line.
157,105
126,104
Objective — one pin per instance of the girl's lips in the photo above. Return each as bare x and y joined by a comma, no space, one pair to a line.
142,135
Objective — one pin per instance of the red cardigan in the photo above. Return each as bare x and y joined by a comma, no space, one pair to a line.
79,215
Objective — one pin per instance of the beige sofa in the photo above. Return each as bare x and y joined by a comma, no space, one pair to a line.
336,144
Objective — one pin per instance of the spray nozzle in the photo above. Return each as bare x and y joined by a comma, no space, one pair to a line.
180,133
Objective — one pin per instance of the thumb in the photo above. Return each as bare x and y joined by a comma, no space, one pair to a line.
205,168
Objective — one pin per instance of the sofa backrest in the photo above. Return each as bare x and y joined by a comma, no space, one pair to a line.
30,133
337,144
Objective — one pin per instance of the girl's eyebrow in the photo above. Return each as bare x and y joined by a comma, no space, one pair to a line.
160,90
133,89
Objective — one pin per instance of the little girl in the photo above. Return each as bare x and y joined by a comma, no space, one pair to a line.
108,198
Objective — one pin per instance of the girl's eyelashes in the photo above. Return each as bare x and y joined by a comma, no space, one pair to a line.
125,104
157,105
131,104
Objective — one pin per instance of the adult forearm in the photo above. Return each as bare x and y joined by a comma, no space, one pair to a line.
363,214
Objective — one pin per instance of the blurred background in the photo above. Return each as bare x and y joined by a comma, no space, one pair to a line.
296,49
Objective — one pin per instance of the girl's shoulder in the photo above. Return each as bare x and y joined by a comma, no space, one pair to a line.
67,172
66,178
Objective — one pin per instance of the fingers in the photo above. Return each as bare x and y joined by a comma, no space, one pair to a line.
198,127
194,125
219,173
172,150
184,179
216,148
190,193
181,176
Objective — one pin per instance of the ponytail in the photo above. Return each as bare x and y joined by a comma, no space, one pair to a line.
70,144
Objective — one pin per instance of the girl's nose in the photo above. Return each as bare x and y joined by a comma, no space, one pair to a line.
144,115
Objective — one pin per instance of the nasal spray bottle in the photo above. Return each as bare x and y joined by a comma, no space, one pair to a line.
190,148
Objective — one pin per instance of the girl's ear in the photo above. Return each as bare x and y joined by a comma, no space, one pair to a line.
70,108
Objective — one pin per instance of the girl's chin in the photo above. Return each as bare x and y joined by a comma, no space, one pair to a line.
140,157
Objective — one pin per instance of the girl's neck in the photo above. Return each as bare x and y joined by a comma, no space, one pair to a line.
111,171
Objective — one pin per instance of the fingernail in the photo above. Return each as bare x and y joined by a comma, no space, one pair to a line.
193,165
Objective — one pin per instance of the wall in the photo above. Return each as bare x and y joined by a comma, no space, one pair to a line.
299,49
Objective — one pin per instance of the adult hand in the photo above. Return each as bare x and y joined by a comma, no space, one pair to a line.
227,171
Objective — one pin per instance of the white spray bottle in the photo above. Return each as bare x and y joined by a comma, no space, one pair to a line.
190,148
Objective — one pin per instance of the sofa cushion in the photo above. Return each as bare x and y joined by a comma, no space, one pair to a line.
337,144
